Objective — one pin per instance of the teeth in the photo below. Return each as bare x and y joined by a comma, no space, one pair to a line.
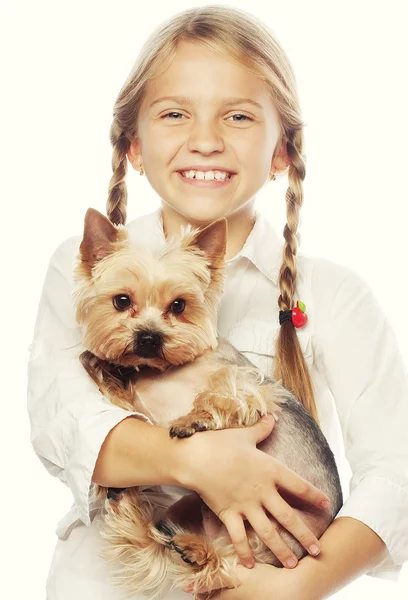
220,175
210,175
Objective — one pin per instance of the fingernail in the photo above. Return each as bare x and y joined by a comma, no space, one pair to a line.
250,565
313,549
291,562
188,589
266,418
326,504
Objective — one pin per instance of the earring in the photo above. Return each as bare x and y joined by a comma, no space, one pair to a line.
141,170
272,176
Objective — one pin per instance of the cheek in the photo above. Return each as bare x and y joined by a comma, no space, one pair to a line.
253,152
107,326
161,142
191,331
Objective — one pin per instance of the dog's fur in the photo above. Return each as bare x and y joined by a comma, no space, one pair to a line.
149,326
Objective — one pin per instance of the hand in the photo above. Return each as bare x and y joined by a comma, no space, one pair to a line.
262,582
237,480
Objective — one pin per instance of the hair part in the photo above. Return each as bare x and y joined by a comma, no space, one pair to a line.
235,34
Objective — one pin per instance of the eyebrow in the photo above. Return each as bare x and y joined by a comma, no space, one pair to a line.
226,101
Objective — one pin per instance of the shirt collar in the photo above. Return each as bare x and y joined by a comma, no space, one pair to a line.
263,247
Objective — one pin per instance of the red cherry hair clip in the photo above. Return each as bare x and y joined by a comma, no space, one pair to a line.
297,315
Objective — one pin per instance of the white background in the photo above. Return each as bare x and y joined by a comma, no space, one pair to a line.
63,65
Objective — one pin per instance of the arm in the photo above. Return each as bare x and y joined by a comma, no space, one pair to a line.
357,351
349,549
340,561
154,460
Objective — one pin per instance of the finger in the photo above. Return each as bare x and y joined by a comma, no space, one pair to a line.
299,487
292,522
268,532
261,429
237,532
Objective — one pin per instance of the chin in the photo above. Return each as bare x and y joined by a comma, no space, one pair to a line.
202,212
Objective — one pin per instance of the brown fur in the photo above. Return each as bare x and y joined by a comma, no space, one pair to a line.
187,380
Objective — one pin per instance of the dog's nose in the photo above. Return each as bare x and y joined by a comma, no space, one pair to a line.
148,344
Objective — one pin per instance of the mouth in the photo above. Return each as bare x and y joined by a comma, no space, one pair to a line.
207,183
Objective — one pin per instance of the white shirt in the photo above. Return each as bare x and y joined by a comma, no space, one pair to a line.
361,387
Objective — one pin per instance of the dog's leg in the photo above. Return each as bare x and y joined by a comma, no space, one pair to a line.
203,563
136,551
235,399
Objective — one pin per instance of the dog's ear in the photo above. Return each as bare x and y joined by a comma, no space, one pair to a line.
213,241
99,238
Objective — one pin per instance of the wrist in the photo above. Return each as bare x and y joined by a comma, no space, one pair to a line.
179,461
303,582
175,459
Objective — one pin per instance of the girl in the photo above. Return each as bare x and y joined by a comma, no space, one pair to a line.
212,93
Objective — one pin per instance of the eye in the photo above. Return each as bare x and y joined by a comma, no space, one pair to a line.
178,306
121,301
246,118
172,113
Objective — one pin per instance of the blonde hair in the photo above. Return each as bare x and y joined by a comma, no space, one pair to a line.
236,34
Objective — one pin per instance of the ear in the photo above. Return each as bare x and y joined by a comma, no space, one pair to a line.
134,154
99,235
281,161
213,241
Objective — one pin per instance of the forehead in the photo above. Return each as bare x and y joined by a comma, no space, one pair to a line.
141,273
207,78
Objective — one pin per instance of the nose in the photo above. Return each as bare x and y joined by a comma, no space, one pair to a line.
148,344
205,137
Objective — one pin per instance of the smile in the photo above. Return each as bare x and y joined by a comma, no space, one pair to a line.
207,183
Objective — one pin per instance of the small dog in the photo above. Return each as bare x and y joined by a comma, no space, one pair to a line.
149,326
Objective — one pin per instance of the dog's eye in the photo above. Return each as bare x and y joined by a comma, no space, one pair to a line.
121,301
178,306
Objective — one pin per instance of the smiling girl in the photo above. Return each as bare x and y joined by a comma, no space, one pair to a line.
210,114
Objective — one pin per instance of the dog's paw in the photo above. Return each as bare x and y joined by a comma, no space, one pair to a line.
115,493
189,425
165,528
183,431
195,550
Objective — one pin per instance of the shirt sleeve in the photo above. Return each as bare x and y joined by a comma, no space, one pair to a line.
369,384
69,418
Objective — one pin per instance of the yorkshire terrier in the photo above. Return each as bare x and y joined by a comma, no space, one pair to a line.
149,323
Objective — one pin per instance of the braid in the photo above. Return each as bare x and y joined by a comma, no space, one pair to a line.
117,197
290,367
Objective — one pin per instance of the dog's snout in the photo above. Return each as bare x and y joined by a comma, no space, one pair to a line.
148,344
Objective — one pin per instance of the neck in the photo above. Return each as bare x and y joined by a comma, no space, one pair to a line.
240,224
